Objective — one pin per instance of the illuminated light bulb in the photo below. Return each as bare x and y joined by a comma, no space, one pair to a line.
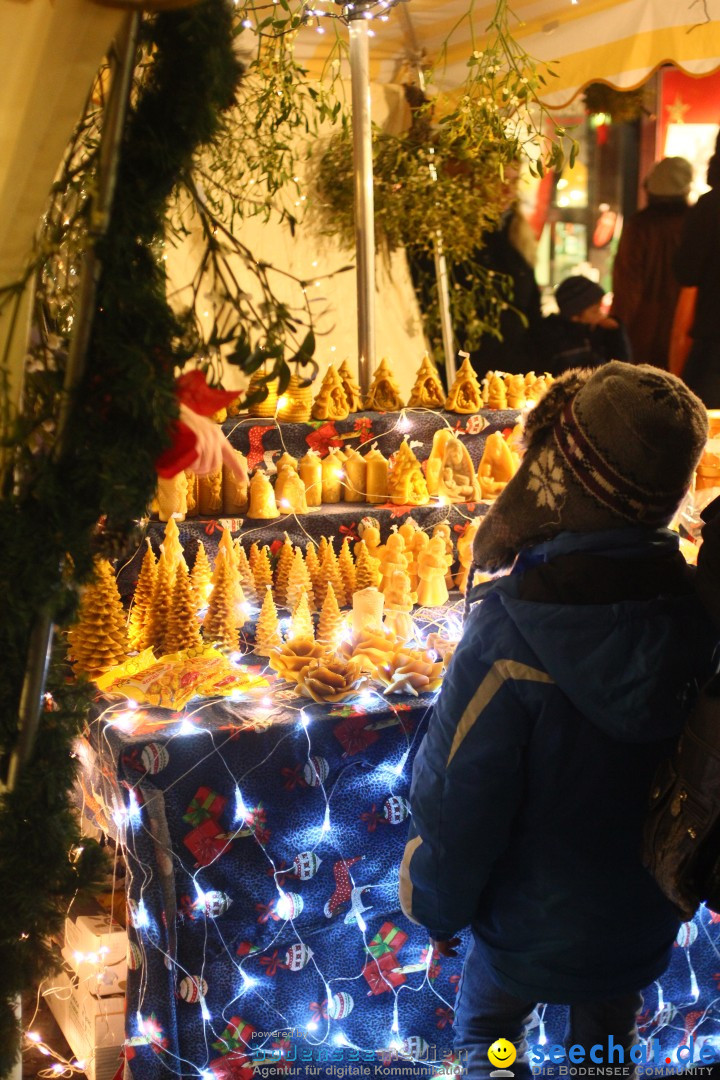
315,263
333,348
401,763
395,1026
371,33
362,925
340,1039
542,1038
404,423
340,474
204,1010
312,1026
266,701
694,992
320,29
366,697
285,503
130,704
206,1074
122,720
247,24
58,1068
304,718
44,1050
241,810
326,826
79,1065
187,727
32,1036
134,812
248,981
141,916
236,657
282,401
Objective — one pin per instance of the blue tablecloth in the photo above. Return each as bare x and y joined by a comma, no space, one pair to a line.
263,845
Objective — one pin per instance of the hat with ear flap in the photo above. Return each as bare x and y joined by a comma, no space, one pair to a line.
605,448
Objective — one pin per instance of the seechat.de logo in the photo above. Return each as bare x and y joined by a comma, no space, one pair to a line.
502,1053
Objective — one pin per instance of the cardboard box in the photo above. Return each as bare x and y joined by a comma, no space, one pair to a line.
96,976
94,1027
96,949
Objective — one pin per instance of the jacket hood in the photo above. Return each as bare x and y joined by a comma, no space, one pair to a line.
623,665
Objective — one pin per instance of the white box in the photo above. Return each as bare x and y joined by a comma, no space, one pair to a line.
94,1027
95,975
96,936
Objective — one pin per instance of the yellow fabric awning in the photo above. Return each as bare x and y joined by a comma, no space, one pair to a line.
620,42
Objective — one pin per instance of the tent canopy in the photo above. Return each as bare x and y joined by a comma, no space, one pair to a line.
620,42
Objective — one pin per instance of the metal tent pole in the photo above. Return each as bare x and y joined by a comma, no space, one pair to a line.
364,203
415,54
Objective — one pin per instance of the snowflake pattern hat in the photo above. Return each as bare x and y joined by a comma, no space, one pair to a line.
607,447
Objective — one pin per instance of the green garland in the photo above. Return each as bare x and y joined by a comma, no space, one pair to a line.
120,421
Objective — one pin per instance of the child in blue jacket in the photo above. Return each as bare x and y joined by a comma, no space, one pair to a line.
570,684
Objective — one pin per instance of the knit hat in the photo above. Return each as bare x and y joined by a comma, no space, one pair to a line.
576,293
669,178
606,448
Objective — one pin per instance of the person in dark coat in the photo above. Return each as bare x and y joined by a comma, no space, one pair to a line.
570,684
579,335
507,251
697,264
645,289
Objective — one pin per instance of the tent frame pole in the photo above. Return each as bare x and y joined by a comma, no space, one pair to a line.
415,57
364,201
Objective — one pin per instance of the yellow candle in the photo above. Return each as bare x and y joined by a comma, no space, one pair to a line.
192,493
290,492
262,498
367,609
376,480
355,477
172,497
210,494
311,474
234,491
333,474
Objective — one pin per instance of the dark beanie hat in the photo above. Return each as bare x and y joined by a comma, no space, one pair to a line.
606,448
576,293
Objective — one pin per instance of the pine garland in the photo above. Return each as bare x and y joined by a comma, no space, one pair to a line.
121,419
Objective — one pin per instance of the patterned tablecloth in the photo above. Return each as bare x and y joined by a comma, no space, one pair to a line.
263,844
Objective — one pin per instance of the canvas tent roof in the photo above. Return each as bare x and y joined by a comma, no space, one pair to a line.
616,41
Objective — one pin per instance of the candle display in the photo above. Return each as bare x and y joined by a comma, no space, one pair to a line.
515,390
432,566
497,466
496,392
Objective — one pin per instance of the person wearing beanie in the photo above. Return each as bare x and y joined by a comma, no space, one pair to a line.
580,335
570,684
697,267
645,289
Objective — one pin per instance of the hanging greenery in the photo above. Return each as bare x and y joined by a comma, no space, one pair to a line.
451,175
121,418
620,106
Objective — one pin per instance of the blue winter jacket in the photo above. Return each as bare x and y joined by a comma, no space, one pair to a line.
530,787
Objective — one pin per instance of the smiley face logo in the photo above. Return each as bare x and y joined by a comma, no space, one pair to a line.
502,1053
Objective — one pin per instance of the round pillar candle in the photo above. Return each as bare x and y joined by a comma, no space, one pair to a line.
376,478
355,477
310,471
367,609
333,475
